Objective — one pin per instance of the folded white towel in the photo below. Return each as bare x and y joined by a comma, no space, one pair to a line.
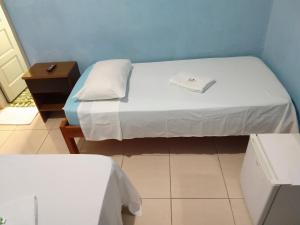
192,82
22,211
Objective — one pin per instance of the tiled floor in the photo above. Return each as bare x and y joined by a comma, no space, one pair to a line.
183,181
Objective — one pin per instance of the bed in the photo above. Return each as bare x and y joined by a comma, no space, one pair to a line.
247,98
64,192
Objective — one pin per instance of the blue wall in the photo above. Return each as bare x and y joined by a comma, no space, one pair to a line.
282,45
142,30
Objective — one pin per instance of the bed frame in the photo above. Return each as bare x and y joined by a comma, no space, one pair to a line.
69,133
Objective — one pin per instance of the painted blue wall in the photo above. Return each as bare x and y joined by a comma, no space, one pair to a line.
282,45
142,30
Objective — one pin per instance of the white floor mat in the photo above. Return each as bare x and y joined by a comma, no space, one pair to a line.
17,115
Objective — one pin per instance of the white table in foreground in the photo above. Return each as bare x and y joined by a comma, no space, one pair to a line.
71,189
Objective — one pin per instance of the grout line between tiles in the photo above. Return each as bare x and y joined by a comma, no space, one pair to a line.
223,176
25,128
232,211
8,129
232,214
39,149
170,175
11,132
153,198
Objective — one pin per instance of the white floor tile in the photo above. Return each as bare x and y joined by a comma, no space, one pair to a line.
54,144
231,167
240,212
155,212
196,176
39,124
201,212
149,174
4,134
24,142
7,127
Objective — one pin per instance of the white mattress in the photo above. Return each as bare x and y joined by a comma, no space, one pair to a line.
247,98
70,189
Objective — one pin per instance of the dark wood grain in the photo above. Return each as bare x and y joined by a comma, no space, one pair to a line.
69,133
50,90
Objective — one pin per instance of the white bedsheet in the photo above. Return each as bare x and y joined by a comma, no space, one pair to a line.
99,120
247,98
70,189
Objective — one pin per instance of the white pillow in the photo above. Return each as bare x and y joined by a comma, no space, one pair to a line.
107,80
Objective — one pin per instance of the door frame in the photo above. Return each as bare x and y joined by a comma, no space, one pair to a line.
3,101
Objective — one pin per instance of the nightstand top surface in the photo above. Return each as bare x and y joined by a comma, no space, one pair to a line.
39,70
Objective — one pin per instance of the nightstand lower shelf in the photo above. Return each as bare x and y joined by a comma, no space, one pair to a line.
51,107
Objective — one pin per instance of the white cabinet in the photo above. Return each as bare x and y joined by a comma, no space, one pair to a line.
270,179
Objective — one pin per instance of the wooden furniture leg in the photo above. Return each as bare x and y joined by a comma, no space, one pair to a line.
69,133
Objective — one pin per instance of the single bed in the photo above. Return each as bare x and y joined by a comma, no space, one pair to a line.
247,98
64,192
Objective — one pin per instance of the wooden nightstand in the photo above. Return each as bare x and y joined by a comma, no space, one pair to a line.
50,90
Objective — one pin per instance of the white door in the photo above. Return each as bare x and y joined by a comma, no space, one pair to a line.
12,63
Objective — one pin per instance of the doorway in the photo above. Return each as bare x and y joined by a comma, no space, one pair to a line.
13,64
18,103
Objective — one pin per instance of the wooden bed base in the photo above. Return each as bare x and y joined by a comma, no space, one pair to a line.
69,133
